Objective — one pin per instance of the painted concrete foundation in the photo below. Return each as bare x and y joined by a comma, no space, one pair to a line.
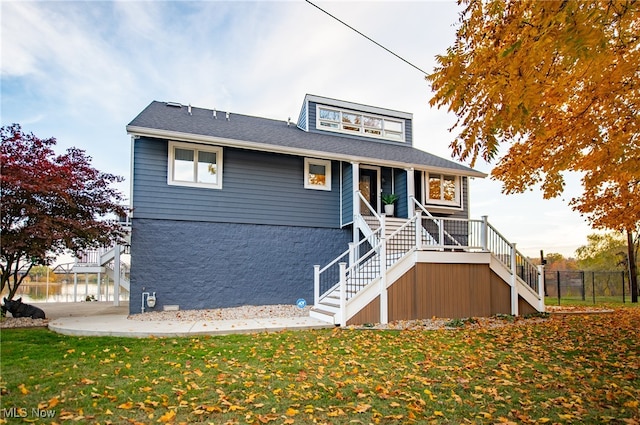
200,265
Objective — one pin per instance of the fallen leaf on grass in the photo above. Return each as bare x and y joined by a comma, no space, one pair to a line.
167,417
361,408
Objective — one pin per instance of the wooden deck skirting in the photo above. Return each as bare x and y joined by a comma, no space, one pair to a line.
445,290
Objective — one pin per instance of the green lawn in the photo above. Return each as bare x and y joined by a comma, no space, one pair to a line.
575,369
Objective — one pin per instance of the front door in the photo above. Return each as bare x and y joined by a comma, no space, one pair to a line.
369,188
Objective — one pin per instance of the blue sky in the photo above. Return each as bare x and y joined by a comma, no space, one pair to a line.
80,71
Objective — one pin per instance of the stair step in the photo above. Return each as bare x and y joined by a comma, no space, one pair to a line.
327,307
332,302
323,315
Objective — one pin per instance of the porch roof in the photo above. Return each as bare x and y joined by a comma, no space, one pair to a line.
173,121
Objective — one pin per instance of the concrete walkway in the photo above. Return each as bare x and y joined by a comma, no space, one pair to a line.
103,319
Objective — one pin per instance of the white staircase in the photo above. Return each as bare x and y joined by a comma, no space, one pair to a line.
365,271
104,261
365,268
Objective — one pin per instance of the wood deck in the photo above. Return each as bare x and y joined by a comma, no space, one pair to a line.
447,291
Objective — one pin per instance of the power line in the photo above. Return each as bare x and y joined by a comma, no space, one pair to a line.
367,37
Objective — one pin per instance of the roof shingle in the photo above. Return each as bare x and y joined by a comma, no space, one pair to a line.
168,120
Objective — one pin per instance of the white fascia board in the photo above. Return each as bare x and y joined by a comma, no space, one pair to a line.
265,147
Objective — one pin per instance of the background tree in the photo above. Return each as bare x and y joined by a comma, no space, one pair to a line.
50,203
559,83
557,262
40,273
605,251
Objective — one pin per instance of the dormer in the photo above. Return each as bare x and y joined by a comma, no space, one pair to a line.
325,115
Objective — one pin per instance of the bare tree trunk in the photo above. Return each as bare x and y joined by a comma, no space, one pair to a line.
633,269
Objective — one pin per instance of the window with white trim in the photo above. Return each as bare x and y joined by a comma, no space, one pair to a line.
317,174
368,125
195,165
442,189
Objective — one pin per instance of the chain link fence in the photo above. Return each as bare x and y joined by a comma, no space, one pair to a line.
586,286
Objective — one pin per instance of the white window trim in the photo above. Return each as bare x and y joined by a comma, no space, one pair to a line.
196,148
327,166
362,132
457,203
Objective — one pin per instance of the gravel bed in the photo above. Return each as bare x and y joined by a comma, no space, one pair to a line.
243,312
22,322
266,311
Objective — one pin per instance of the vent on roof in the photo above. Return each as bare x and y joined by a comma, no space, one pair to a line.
174,104
227,116
189,109
215,116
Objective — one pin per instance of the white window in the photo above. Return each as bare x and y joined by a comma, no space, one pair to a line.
317,174
442,189
195,165
350,122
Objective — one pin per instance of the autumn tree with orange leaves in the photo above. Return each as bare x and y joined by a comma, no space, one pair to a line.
557,85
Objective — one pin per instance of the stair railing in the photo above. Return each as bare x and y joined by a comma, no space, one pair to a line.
90,257
368,260
442,233
517,263
402,240
327,278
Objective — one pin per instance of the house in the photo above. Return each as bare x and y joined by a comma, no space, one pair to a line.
230,209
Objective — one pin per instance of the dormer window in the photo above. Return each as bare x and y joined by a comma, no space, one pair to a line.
351,122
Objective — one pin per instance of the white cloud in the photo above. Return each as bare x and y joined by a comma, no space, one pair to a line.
80,71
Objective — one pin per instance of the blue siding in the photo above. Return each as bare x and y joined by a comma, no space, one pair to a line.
347,193
408,128
200,265
302,118
465,198
257,187
400,180
387,180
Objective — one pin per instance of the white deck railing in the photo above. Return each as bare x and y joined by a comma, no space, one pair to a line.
368,259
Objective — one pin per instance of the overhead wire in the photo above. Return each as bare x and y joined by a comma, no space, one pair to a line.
367,37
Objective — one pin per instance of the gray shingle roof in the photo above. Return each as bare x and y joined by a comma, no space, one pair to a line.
159,119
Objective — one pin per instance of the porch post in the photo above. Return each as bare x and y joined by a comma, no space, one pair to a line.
355,171
514,282
541,307
343,293
352,253
116,275
411,191
316,284
484,233
418,217
384,313
99,286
